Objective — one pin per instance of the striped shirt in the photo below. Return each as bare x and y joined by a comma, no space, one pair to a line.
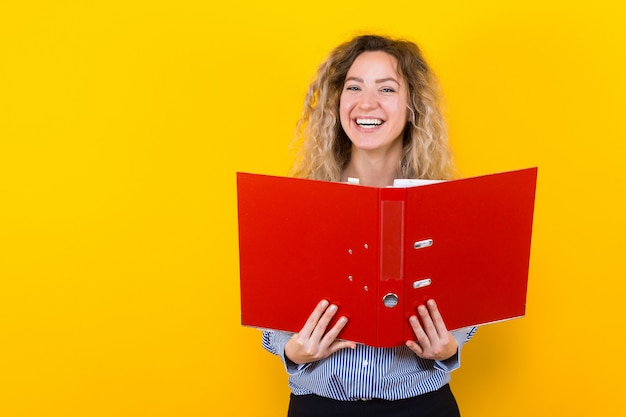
367,372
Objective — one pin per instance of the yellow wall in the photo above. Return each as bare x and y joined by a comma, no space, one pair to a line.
122,124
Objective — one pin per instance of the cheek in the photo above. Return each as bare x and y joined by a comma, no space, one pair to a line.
344,111
403,111
343,103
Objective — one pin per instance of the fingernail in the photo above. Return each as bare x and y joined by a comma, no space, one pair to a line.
332,308
324,303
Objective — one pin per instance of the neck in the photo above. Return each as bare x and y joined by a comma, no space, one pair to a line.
373,170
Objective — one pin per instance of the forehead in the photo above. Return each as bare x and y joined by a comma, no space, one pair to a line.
375,63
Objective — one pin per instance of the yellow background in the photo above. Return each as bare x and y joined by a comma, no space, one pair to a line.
122,124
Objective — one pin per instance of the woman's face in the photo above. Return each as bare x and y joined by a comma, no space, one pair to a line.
373,105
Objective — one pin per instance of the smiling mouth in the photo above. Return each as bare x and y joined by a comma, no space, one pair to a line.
369,123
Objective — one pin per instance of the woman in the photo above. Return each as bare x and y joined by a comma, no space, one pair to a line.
372,114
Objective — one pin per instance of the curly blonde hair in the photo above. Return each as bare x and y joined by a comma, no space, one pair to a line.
323,148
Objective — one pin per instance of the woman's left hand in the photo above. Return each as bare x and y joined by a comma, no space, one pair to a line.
434,341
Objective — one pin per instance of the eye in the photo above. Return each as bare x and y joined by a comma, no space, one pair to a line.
352,88
387,90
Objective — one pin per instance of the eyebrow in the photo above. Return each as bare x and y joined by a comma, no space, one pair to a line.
378,81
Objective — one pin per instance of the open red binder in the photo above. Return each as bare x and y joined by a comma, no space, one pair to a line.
378,253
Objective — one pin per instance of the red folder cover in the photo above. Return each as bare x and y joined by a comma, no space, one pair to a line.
378,253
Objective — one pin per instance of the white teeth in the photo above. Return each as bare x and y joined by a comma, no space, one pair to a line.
369,123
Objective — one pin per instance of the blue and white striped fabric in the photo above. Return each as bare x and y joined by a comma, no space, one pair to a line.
367,372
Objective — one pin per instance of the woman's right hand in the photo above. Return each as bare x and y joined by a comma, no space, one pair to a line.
313,342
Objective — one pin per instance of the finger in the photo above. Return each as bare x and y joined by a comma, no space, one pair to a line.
427,322
322,324
416,326
338,345
420,334
314,318
329,343
415,347
333,333
436,317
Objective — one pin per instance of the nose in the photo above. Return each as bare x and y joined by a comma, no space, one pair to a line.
368,100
